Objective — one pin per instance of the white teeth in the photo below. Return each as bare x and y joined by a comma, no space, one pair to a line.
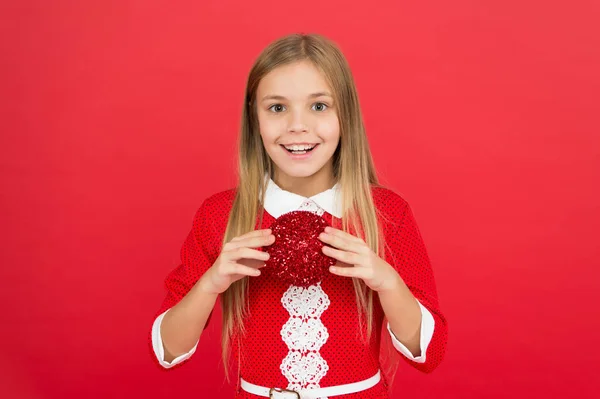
300,147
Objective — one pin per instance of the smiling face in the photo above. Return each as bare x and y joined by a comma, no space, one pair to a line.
298,124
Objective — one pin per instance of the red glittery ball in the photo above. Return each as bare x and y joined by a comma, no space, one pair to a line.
295,256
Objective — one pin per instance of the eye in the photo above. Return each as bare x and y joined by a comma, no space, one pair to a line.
320,107
276,108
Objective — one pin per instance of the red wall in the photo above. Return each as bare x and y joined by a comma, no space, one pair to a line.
120,117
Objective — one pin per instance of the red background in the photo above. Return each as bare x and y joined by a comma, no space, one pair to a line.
120,117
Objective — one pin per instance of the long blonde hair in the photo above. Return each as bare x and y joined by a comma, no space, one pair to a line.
352,164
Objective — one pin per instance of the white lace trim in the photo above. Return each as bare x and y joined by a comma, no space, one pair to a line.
311,206
305,302
304,335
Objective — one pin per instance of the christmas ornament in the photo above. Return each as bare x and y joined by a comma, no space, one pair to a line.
295,256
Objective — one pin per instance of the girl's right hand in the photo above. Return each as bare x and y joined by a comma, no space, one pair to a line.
237,260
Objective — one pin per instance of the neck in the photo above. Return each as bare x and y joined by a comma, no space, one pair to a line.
306,186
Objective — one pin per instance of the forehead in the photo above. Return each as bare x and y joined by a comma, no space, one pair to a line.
299,79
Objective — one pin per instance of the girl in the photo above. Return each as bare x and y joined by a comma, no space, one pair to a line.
303,147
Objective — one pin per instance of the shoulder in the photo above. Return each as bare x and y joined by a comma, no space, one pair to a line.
388,201
222,200
393,211
210,220
216,207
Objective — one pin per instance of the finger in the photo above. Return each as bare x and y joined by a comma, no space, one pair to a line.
343,234
343,256
251,242
257,264
341,243
247,253
236,268
346,271
257,242
254,233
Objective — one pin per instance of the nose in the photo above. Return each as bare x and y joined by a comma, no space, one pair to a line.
297,123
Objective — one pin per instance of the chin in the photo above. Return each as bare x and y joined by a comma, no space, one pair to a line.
298,168
304,171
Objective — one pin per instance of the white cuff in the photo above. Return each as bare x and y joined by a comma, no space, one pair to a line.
159,349
427,327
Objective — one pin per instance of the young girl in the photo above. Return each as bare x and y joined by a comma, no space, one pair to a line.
303,148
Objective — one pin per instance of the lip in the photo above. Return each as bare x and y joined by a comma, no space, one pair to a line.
299,144
300,156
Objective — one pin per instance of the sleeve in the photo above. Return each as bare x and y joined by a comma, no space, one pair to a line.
198,253
427,328
408,255
159,349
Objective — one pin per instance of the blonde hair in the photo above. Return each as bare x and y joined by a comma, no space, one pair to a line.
352,164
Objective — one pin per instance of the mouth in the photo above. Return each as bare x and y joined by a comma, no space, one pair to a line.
299,149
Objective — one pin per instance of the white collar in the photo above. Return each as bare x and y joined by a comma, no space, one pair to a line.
279,201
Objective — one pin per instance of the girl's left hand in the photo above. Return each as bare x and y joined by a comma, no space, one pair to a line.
361,262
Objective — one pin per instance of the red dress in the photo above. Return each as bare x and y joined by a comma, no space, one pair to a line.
301,338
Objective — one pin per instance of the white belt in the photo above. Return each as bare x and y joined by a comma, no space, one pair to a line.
311,393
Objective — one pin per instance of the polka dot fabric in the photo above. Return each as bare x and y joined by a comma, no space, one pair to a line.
348,357
198,253
406,252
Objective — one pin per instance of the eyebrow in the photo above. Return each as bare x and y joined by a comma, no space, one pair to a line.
313,95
